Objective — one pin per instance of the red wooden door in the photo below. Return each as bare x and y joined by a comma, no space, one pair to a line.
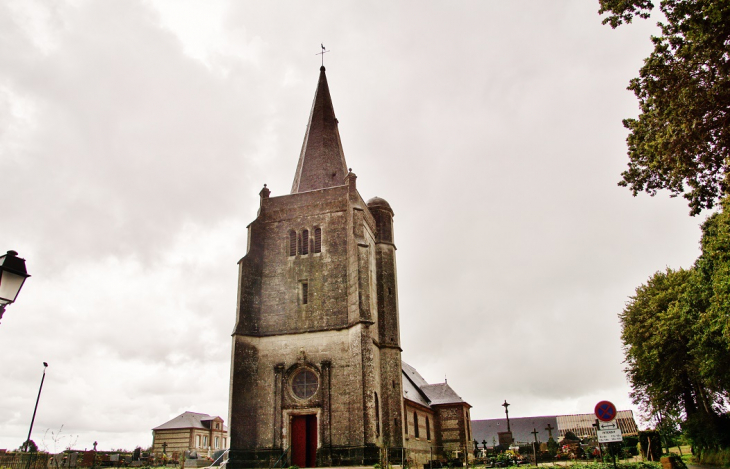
299,440
304,440
311,440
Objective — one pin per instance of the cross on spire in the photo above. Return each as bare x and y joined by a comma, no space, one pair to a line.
322,53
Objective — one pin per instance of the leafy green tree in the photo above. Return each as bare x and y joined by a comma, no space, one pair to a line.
676,336
713,328
681,139
656,333
668,425
552,446
29,446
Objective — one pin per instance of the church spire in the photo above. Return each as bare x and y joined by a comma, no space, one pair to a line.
322,160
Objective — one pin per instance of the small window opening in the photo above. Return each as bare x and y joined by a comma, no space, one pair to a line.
305,293
428,429
292,243
305,242
377,415
318,240
415,424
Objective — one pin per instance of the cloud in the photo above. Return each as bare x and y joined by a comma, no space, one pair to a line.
135,137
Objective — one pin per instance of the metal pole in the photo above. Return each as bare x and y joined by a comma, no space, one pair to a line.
27,440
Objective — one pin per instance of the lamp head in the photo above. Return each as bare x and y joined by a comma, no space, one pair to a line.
12,276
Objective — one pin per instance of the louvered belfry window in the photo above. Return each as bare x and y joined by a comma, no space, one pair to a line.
305,242
317,240
292,243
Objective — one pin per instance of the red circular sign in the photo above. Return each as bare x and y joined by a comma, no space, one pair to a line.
605,411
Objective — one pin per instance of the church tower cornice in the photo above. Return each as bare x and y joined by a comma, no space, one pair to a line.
322,160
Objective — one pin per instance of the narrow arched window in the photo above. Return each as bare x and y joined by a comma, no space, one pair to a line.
415,424
428,429
305,241
377,415
292,243
304,292
318,240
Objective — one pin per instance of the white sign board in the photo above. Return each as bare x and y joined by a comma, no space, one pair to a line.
612,425
609,436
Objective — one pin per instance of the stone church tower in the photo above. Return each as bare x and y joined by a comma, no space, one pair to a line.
316,372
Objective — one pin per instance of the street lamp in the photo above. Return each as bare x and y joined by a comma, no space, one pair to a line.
27,441
12,277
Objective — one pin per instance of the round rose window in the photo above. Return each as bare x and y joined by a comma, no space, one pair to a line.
304,384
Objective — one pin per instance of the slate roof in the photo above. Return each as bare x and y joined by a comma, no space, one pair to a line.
580,424
442,393
413,375
188,420
417,389
322,159
522,427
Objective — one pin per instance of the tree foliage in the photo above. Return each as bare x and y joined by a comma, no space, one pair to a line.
29,446
681,139
676,337
713,327
656,334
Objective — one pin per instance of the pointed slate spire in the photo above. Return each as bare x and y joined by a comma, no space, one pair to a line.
322,160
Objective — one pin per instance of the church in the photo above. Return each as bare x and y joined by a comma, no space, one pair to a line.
316,371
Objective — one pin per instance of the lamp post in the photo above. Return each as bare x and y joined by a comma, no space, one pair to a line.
27,440
12,277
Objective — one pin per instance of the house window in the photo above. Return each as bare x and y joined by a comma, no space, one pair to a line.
305,242
317,240
205,442
224,442
216,439
197,441
415,424
292,243
428,429
304,292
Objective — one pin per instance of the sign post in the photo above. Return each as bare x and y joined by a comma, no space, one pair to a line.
607,430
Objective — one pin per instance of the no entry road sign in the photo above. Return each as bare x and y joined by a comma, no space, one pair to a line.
605,411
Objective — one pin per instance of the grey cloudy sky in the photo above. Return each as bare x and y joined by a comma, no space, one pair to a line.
135,137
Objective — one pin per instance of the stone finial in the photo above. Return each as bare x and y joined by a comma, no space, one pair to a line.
350,179
265,192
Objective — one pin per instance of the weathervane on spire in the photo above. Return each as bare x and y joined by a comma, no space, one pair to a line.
322,53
